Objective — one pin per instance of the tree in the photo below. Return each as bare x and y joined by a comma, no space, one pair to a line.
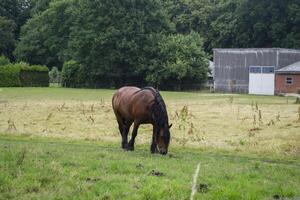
38,6
111,43
7,37
44,38
194,15
292,39
13,15
182,63
256,23
115,40
238,23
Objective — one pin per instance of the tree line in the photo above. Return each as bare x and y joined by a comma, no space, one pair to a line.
165,43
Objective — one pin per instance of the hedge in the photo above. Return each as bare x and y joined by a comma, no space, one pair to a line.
9,76
35,68
34,75
22,74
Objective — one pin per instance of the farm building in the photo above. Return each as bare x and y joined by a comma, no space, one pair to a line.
210,76
288,79
250,70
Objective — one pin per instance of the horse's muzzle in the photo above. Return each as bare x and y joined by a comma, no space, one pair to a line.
163,152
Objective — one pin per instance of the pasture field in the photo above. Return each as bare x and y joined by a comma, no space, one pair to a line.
58,143
43,168
261,124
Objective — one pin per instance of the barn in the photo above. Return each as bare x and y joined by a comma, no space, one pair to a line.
288,79
250,70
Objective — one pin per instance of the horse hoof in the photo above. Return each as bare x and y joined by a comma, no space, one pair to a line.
130,148
153,152
125,146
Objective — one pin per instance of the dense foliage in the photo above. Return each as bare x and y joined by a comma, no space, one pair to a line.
4,61
10,76
44,37
117,48
73,74
239,23
7,38
181,63
141,42
23,74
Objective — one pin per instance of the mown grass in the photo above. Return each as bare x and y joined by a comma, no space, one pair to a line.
45,168
59,93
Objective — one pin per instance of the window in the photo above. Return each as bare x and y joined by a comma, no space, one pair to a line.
289,80
268,70
261,69
256,70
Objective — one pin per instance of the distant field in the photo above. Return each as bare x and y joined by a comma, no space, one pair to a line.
260,124
58,143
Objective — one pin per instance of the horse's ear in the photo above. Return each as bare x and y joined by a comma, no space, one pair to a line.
170,126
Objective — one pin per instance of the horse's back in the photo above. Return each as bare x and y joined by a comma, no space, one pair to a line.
132,103
123,94
127,90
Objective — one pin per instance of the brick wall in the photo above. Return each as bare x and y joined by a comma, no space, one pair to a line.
282,87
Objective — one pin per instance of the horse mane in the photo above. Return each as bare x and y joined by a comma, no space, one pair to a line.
159,112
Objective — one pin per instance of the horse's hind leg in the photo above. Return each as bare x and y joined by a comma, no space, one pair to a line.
134,133
121,129
127,125
124,127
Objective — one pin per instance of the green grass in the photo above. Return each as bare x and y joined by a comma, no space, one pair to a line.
43,168
59,143
58,93
53,93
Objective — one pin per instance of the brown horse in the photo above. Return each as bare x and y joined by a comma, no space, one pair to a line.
142,106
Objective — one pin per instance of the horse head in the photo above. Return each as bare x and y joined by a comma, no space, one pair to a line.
163,139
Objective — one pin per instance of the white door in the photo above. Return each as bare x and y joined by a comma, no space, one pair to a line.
261,80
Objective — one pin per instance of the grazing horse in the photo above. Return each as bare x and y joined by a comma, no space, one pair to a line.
142,106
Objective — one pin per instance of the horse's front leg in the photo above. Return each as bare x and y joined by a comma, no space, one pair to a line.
134,134
153,147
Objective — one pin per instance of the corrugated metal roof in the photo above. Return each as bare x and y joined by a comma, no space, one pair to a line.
256,50
245,49
293,68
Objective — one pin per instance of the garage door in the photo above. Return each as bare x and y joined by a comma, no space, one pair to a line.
261,80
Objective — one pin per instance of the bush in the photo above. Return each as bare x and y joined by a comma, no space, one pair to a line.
9,76
73,74
55,75
4,61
